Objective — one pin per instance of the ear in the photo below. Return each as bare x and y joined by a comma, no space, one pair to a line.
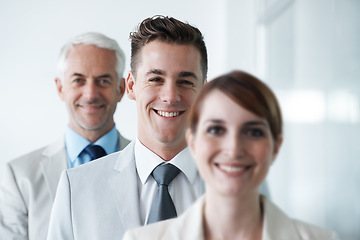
277,147
130,83
121,89
59,88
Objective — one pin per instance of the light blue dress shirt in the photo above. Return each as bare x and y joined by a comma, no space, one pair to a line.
75,145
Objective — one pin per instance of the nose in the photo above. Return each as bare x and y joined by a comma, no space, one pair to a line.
90,90
169,93
234,146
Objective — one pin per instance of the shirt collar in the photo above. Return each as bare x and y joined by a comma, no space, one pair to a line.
75,143
146,161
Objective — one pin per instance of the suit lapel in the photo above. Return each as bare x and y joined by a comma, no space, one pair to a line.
52,164
125,189
276,224
193,219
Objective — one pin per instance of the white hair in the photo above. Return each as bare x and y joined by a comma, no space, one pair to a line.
98,40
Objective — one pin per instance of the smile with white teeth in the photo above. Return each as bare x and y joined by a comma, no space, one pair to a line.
231,169
168,114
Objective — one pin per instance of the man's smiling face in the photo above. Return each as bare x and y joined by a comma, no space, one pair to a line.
164,85
90,89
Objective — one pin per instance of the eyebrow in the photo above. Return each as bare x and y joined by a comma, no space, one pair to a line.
106,75
188,74
250,123
181,74
78,74
155,71
214,121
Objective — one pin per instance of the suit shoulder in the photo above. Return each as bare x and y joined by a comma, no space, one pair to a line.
309,231
27,163
34,157
95,167
123,141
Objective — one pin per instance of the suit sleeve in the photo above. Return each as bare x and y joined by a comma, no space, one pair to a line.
13,209
60,226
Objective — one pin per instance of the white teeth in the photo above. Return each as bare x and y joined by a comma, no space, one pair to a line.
231,169
168,114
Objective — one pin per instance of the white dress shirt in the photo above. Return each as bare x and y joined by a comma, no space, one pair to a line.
184,189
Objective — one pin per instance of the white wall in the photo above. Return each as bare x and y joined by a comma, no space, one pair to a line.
31,35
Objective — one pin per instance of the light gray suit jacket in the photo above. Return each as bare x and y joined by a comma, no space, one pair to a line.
99,200
276,226
27,191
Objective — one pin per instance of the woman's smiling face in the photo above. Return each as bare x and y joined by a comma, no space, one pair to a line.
233,147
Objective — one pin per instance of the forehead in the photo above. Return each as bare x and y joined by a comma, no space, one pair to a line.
170,58
217,105
90,59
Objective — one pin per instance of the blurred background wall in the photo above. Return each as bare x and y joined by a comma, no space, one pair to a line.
307,51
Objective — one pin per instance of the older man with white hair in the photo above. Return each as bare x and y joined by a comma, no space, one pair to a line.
90,82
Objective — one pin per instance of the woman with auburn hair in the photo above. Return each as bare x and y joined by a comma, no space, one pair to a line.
235,134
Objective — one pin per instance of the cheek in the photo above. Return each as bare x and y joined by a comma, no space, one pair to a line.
203,169
189,97
262,153
203,160
71,95
205,149
111,96
146,95
70,98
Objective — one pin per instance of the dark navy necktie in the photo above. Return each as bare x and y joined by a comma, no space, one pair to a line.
163,207
95,151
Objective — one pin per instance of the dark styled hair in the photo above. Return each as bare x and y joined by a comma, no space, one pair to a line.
247,91
169,30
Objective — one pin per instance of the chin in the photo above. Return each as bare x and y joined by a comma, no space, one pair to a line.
234,190
166,137
92,126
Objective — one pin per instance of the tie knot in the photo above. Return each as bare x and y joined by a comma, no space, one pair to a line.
165,173
95,151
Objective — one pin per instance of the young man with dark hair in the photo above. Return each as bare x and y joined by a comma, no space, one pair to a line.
103,199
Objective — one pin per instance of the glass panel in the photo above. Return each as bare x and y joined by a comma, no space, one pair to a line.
312,61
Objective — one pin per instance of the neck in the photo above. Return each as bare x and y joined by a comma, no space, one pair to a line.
234,218
92,135
165,151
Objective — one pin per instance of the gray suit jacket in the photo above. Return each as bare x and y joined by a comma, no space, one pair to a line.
27,191
276,226
99,200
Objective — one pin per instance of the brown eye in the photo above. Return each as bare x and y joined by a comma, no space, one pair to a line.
155,80
255,132
186,83
104,82
78,80
215,130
